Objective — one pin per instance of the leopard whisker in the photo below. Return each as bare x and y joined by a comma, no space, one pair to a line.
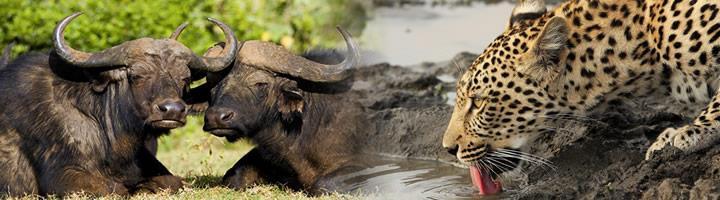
519,152
493,165
525,156
528,159
488,167
506,163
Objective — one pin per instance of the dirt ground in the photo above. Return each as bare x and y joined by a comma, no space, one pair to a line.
599,160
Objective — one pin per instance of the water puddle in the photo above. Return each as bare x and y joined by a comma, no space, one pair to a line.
409,35
381,177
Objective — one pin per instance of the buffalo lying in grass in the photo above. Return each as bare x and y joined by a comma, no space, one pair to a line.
290,107
73,121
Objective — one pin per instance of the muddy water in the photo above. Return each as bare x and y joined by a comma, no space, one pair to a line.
383,177
407,36
412,34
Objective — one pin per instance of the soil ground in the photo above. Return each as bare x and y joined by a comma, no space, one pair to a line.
599,160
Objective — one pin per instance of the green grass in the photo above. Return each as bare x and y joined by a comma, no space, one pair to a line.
202,159
188,151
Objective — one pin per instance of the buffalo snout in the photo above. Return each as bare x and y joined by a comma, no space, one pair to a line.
218,121
171,114
172,108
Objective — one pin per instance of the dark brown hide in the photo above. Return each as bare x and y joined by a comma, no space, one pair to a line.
295,122
69,125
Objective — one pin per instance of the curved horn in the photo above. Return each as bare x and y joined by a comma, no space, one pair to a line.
226,57
106,58
178,31
278,59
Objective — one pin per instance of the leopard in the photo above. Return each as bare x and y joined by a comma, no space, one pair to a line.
582,57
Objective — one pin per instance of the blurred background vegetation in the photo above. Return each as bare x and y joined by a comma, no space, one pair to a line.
297,24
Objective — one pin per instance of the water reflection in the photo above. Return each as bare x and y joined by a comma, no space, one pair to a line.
408,35
379,177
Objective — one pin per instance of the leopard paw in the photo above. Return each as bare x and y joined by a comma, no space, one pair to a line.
689,138
662,140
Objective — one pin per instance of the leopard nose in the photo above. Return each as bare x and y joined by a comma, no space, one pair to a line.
452,150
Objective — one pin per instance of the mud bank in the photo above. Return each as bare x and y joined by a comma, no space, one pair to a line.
407,107
600,159
607,162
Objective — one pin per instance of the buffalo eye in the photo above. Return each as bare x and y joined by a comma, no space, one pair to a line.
261,85
135,77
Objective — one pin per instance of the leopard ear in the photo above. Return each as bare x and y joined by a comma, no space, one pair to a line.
527,9
542,60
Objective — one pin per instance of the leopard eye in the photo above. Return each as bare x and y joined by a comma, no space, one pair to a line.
477,100
478,97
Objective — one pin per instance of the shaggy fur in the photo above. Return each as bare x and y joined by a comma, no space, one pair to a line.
301,128
58,135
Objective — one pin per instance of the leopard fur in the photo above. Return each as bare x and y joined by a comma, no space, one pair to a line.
582,57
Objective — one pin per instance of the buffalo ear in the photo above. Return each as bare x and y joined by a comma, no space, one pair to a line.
198,98
100,84
291,102
100,80
542,61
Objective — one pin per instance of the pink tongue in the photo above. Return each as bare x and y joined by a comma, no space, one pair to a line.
482,180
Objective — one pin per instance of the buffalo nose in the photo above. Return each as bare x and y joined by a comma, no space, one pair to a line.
172,107
219,116
227,116
452,150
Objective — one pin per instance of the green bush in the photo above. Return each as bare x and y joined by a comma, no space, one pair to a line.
297,24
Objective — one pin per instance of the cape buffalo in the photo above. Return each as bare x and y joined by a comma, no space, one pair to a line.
74,121
290,108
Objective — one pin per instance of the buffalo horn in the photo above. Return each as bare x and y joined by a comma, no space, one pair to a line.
226,57
275,58
106,58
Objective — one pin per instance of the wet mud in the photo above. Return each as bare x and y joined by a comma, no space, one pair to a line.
603,159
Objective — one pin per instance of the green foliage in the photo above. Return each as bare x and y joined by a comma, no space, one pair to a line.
297,24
